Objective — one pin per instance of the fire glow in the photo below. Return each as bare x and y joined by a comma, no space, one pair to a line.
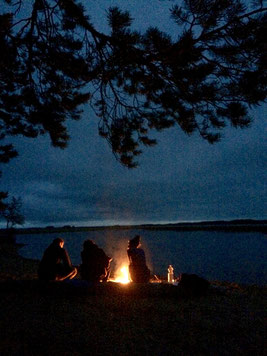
122,275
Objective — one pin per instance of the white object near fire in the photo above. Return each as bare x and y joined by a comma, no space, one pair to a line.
170,274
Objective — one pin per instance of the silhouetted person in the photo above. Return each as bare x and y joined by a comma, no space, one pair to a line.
138,269
55,264
95,265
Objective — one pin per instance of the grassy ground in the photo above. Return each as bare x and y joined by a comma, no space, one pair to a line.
125,320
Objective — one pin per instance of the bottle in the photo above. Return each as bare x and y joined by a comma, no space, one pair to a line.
170,274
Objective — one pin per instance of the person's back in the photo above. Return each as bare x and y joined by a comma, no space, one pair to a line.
138,269
95,263
136,256
56,264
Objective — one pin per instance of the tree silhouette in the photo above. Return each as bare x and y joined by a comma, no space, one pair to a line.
3,205
53,61
12,213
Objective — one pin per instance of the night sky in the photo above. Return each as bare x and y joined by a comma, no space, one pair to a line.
181,179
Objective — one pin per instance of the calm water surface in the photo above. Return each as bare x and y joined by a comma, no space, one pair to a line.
235,257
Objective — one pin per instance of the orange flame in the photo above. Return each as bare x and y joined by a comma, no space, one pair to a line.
122,275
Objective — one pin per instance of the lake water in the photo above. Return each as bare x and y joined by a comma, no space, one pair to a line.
229,256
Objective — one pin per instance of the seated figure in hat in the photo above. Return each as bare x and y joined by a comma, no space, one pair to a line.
55,264
138,269
95,265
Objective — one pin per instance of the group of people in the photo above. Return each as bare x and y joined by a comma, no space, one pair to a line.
95,267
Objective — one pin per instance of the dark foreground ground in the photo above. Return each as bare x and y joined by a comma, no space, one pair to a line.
113,319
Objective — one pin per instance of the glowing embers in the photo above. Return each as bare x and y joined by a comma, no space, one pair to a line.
121,275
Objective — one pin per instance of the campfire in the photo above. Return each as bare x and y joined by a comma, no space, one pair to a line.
121,275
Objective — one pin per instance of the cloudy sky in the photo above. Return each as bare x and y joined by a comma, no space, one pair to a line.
181,179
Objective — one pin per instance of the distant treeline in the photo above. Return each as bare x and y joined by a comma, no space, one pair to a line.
242,225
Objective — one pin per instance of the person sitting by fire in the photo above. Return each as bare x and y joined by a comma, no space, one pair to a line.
95,265
138,269
55,264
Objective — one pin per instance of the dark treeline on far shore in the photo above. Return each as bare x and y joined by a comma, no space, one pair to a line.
238,225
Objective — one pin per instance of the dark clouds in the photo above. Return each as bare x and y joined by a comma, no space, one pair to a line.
181,179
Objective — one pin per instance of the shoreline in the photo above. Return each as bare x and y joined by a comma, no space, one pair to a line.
16,267
242,225
13,266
